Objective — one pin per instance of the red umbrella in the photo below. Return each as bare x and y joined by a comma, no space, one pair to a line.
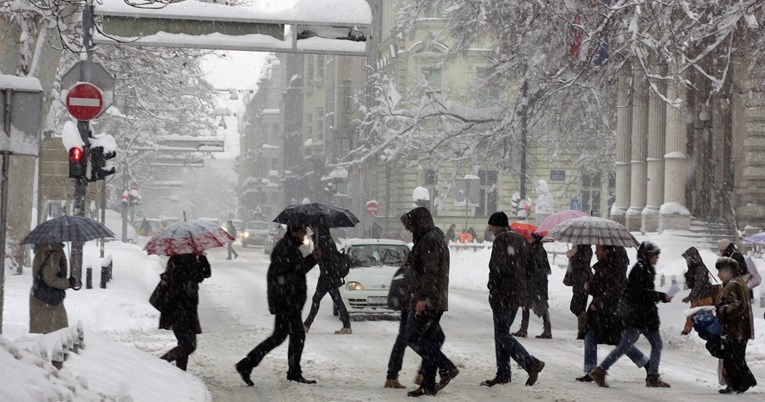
187,238
523,228
554,219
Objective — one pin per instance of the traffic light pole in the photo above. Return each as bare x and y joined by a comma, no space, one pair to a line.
81,183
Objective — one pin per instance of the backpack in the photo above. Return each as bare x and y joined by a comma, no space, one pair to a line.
344,265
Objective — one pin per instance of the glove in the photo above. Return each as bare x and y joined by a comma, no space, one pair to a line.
72,282
686,299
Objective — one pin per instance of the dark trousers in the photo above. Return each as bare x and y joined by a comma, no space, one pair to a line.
396,360
425,336
187,344
506,346
322,288
287,323
526,315
735,370
231,250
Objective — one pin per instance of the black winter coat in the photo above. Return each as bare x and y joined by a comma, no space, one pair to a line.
399,295
640,297
536,276
733,252
606,288
332,261
507,285
182,276
697,276
429,261
286,276
580,267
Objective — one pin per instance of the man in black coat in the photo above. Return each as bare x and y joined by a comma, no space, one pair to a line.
537,271
429,286
640,315
508,292
286,297
331,278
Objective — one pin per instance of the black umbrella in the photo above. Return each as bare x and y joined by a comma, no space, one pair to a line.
317,214
67,228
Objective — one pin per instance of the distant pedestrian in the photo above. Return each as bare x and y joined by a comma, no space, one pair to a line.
697,278
577,274
182,276
145,227
745,265
640,315
487,235
334,267
429,285
734,309
451,234
286,288
473,234
376,231
603,325
231,229
537,271
49,273
507,292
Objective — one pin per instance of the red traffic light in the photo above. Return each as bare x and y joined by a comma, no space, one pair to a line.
76,154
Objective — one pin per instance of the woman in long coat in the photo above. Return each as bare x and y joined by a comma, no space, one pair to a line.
578,274
51,260
697,278
182,277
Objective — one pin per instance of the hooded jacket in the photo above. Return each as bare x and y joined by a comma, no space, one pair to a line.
508,287
44,317
286,276
697,276
606,288
640,296
429,276
732,252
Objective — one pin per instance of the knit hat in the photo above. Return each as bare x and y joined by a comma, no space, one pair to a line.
498,219
723,244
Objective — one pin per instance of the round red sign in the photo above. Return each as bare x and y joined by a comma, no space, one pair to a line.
134,186
84,101
373,208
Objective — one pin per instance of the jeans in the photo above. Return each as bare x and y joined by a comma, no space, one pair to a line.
396,360
526,315
425,336
231,250
287,323
322,288
506,346
591,353
627,342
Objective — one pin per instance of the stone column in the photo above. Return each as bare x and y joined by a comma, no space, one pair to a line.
657,114
638,151
673,213
623,129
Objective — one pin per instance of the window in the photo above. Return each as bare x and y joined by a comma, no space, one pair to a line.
320,67
347,96
434,10
433,76
320,123
483,82
431,177
487,202
591,182
309,68
309,125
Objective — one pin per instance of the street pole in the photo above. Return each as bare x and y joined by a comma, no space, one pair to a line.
467,198
103,214
3,228
81,183
524,128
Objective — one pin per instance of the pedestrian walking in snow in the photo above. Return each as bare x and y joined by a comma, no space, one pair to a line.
286,288
507,292
537,271
429,286
451,234
745,265
473,234
603,326
734,309
46,299
333,267
577,274
231,229
622,260
181,279
697,279
640,315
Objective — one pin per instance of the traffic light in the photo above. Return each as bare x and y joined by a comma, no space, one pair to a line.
78,162
98,160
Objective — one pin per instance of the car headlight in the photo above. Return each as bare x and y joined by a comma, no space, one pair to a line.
246,234
353,285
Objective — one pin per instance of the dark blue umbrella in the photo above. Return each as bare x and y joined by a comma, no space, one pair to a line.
67,228
317,215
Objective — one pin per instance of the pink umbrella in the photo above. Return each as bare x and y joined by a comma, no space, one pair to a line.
187,238
554,219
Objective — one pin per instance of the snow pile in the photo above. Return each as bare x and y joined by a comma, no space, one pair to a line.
70,136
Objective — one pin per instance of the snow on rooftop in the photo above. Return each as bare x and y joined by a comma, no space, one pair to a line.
21,84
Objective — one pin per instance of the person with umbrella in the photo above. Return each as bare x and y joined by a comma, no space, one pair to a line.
49,270
507,292
640,315
286,288
333,267
577,274
537,271
181,279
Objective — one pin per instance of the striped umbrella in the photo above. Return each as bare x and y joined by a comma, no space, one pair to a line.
187,238
593,230
67,228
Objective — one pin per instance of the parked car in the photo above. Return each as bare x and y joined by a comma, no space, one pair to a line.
255,232
273,236
373,264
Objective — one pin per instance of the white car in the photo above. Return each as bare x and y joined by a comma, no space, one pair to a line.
373,264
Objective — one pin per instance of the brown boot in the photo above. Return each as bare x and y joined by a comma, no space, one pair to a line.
394,384
521,333
418,379
654,381
599,376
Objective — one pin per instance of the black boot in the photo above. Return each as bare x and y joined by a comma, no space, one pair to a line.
300,379
494,381
244,370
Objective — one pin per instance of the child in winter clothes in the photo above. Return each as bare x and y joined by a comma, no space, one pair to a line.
734,309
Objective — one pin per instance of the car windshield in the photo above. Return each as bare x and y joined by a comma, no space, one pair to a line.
371,255
258,226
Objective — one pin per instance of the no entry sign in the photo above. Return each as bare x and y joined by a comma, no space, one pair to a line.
84,101
373,208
